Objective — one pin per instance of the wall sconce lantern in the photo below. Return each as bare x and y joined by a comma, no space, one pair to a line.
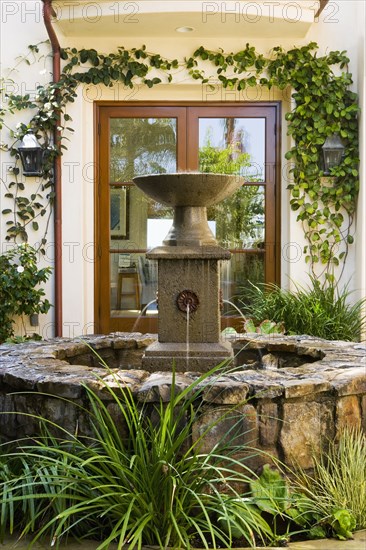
31,154
333,150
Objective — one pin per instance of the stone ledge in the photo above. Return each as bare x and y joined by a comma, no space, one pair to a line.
340,367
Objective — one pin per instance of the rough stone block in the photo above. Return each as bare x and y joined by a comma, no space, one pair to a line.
85,359
350,380
226,393
61,413
105,358
263,384
158,387
226,426
269,423
131,377
8,421
27,412
129,359
76,348
118,419
348,413
144,341
305,429
23,379
123,343
257,458
100,342
67,387
363,409
306,386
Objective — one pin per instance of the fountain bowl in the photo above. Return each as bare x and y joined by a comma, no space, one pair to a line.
189,188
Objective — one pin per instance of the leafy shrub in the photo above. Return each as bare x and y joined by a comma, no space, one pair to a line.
19,279
265,327
320,310
291,506
139,481
318,522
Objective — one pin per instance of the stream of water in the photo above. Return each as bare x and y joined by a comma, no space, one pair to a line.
235,307
142,313
187,339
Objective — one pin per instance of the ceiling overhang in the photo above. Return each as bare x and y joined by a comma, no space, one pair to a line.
150,18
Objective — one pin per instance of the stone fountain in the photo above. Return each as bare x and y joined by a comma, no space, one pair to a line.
291,394
188,272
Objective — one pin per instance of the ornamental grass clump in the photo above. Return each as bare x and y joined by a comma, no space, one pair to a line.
320,310
141,480
339,479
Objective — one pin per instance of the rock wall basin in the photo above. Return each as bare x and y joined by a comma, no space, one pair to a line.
292,394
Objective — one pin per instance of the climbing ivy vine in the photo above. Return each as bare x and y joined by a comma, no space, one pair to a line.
323,105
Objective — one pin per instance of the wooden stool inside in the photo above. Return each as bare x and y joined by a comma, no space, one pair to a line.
128,273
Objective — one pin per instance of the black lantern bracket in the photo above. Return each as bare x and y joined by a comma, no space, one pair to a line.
31,154
333,151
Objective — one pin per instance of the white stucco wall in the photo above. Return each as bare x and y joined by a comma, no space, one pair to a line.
343,28
77,162
21,24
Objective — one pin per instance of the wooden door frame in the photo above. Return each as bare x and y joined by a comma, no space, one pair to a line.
273,151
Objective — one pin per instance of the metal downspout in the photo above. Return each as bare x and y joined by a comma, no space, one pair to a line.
47,14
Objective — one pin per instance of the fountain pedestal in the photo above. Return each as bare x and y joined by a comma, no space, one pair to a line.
190,277
188,273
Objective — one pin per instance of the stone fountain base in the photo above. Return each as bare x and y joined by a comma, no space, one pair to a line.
190,339
292,394
194,357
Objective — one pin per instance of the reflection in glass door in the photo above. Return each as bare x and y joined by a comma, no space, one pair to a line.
242,139
137,146
136,140
133,141
237,146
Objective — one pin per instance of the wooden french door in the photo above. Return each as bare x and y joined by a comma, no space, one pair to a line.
134,139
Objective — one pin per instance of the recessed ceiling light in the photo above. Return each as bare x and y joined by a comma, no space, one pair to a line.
185,29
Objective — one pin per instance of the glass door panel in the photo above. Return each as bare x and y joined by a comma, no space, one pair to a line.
233,146
237,146
134,283
141,146
138,146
